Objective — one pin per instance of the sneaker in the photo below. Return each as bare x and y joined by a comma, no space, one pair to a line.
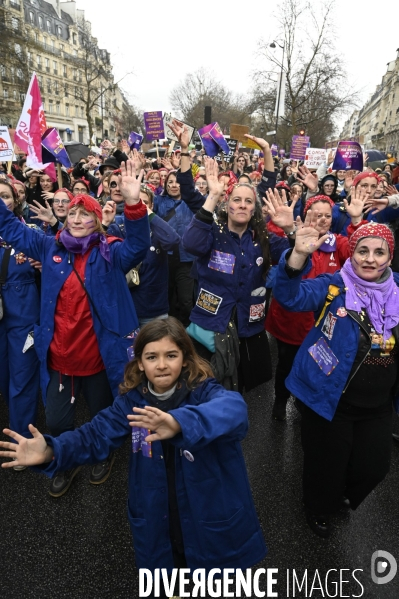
101,472
279,409
62,481
320,524
18,468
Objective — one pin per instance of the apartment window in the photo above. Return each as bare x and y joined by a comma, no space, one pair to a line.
19,74
50,106
48,26
14,23
76,92
12,71
2,70
81,112
5,93
47,62
76,110
15,94
66,109
40,80
31,17
56,88
55,67
74,39
40,22
36,37
22,97
62,47
49,86
39,61
64,70
29,54
44,103
66,91
59,30
58,108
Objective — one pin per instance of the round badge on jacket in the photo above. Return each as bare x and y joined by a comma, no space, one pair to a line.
189,456
57,259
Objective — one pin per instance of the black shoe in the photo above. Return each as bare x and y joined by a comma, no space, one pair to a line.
395,437
62,481
101,472
279,409
319,524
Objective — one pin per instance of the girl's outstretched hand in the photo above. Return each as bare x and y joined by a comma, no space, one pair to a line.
25,452
163,425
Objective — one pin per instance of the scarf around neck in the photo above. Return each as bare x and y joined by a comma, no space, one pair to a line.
80,245
380,298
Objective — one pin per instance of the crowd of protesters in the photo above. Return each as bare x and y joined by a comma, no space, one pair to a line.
131,254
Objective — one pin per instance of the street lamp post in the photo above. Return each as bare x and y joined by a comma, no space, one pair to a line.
273,45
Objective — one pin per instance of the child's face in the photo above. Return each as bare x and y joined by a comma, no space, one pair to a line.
162,361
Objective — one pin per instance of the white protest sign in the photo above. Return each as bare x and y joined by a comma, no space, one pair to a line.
168,120
315,157
6,147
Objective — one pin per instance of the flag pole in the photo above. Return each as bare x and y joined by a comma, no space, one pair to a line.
59,175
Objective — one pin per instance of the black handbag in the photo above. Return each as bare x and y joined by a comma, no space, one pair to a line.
3,276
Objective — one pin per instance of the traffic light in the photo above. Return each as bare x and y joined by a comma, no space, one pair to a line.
301,131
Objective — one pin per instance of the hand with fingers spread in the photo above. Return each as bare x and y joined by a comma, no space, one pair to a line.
307,240
47,195
215,186
175,161
167,163
348,181
181,132
137,159
129,185
43,213
25,452
307,178
109,212
391,190
357,205
162,424
279,210
330,157
125,146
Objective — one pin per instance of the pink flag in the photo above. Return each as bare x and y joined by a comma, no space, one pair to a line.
31,126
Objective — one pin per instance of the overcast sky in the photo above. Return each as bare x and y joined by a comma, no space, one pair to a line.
160,42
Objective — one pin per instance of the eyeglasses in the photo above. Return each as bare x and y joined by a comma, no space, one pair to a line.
63,202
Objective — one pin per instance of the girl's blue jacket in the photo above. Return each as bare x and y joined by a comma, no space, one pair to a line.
105,282
218,519
307,381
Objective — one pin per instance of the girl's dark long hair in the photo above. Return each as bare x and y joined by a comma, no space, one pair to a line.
257,224
196,370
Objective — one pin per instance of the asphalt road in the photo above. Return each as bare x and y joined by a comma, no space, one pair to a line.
79,546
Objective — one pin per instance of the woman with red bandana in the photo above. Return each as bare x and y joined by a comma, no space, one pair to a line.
288,328
345,373
87,319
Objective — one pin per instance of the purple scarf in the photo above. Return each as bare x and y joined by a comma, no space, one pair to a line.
380,300
80,245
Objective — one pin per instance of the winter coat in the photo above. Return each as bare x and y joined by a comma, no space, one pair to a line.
216,511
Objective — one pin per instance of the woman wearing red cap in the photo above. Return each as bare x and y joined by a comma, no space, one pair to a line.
87,320
53,219
291,329
345,372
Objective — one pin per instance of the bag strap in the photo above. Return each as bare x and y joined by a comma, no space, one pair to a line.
4,265
86,292
169,216
333,292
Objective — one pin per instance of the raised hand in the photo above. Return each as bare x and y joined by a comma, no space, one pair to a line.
163,425
47,195
211,172
307,238
307,178
167,163
25,452
262,143
181,132
125,146
330,157
356,208
175,161
109,212
137,159
391,190
44,214
374,205
129,185
279,210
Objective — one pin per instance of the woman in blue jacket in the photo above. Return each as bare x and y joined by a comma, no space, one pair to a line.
150,296
19,370
190,502
345,373
87,316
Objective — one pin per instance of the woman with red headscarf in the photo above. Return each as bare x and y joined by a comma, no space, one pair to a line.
53,218
288,328
345,373
87,318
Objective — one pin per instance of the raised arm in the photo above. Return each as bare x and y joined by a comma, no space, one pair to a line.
29,241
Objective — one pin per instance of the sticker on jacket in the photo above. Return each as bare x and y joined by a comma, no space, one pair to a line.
139,443
208,301
257,312
323,355
222,262
329,324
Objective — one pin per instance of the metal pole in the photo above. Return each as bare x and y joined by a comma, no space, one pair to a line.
102,114
279,93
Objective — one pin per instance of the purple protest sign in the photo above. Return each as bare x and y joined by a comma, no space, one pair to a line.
139,443
349,156
135,140
299,145
323,355
218,137
154,128
54,149
274,149
210,146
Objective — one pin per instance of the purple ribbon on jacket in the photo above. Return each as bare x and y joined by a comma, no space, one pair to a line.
80,245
